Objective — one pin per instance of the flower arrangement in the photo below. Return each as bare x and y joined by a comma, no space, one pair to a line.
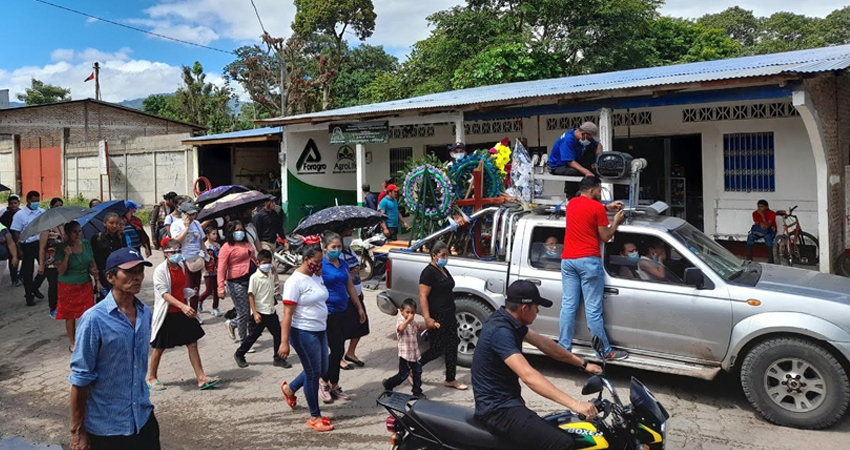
439,205
461,175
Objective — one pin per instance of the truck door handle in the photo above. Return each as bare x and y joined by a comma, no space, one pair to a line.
612,291
535,281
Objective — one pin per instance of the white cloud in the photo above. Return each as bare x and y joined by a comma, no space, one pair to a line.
121,78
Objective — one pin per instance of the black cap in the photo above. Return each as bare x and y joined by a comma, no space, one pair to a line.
525,292
189,207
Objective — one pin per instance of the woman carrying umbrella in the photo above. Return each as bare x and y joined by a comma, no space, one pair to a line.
48,241
74,262
237,261
106,242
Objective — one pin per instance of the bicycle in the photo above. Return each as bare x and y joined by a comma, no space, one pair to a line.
794,246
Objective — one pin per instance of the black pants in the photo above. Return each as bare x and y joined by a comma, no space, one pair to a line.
569,186
52,276
269,322
516,424
146,439
13,271
31,284
405,369
444,342
336,344
393,233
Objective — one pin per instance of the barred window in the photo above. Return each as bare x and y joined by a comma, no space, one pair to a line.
748,162
399,156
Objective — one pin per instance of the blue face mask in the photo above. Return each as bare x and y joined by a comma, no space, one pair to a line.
33,206
265,268
238,235
655,258
441,262
334,254
176,258
634,256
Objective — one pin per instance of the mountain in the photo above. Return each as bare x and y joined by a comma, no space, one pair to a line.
136,103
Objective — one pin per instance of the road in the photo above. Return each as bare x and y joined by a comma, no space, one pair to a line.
247,411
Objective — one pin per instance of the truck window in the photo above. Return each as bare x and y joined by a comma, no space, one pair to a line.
547,244
645,258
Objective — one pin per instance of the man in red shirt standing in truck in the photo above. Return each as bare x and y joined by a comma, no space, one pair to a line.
764,227
582,273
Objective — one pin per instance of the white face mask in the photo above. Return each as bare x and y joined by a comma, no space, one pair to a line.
584,142
458,156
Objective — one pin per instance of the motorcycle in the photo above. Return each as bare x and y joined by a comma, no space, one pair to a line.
288,257
425,424
371,265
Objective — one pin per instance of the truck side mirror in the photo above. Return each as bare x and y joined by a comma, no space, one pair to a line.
694,277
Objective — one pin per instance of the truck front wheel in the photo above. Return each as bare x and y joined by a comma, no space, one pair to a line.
795,382
471,313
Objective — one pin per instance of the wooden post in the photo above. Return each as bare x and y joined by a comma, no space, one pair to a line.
97,81
478,201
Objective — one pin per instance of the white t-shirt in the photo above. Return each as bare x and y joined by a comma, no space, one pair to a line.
310,295
192,243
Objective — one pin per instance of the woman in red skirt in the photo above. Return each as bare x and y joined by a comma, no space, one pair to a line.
74,260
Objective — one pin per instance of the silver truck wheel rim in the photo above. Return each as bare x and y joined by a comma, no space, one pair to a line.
795,385
468,330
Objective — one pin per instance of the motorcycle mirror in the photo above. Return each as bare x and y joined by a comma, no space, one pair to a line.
593,385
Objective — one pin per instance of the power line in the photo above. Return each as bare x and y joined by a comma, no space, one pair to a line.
134,28
258,17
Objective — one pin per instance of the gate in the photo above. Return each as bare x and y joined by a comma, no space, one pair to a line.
41,167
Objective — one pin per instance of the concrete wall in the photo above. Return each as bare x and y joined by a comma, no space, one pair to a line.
141,169
7,162
251,165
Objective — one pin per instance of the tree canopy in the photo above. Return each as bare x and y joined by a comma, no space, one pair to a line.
41,94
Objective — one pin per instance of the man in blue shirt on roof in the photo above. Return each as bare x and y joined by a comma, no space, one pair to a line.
573,149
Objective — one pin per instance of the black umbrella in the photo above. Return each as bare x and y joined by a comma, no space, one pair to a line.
233,204
339,218
53,218
3,188
214,194
92,223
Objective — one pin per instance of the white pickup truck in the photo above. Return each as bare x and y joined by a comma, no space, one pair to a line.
786,330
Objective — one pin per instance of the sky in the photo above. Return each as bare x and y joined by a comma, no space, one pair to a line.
59,47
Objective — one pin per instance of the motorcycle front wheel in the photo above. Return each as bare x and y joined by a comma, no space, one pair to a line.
367,267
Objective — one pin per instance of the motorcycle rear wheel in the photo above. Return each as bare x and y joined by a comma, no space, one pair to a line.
842,265
367,267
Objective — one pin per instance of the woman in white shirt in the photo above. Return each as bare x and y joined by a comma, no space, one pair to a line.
304,326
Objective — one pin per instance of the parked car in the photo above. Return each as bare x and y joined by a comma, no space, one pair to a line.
786,331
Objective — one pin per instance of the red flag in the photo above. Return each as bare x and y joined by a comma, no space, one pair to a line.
91,77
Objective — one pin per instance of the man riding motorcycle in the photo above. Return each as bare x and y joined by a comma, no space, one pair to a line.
498,365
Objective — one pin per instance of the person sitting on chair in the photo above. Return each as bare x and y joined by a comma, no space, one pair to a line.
764,227
651,267
571,149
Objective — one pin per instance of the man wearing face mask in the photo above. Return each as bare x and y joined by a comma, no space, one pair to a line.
630,252
550,258
574,152
456,153
651,267
263,295
29,247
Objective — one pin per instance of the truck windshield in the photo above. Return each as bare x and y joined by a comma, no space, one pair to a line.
710,252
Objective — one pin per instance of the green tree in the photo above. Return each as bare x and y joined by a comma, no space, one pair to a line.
333,18
204,103
836,27
360,65
41,94
785,31
386,86
505,64
736,22
163,105
257,69
678,40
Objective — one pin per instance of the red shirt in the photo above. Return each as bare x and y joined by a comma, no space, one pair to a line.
769,215
584,217
178,282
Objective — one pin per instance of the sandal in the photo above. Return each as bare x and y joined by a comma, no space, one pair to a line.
156,387
320,425
456,385
356,362
210,383
346,366
290,400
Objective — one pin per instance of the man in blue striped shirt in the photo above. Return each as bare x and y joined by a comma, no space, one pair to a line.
110,404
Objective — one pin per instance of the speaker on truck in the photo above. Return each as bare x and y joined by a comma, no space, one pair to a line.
614,165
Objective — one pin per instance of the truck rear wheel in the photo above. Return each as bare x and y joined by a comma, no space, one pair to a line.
797,383
471,313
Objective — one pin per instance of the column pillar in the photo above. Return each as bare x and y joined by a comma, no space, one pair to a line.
361,171
606,139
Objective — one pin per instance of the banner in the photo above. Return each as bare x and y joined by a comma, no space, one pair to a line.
360,133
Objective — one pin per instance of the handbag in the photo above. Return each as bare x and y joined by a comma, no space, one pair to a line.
195,263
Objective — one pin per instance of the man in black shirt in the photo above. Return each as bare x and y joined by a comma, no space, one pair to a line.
6,216
268,226
498,365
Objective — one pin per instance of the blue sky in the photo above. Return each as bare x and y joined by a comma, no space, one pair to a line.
59,47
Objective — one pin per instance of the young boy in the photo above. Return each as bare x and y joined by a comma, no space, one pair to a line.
211,272
263,293
407,331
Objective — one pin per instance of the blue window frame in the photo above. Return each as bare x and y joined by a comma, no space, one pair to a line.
748,162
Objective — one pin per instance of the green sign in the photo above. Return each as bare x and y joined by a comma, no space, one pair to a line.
360,133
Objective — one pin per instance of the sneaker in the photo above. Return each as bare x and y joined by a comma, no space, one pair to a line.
230,329
338,394
325,393
18,283
200,308
216,313
52,313
386,384
616,355
240,361
37,294
30,302
281,363
251,350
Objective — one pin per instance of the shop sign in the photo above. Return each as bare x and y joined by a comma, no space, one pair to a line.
310,161
360,133
345,160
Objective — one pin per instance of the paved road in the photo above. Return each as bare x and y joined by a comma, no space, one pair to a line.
246,410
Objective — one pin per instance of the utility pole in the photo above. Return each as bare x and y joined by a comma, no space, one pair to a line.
97,81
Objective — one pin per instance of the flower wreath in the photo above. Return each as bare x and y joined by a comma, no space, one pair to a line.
438,207
461,174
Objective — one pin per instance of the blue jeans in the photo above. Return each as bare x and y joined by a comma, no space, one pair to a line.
582,278
312,350
757,233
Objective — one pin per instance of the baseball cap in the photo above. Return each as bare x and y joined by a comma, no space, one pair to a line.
189,207
129,204
525,292
15,197
392,187
457,145
125,258
590,128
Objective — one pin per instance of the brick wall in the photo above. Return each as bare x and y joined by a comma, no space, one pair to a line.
831,98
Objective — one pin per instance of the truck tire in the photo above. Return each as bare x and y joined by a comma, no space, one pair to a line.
794,382
471,313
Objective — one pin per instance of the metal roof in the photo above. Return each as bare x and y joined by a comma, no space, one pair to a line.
236,136
797,62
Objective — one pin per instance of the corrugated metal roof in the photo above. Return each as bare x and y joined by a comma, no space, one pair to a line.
256,132
801,61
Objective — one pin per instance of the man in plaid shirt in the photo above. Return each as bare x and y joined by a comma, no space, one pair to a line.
407,330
